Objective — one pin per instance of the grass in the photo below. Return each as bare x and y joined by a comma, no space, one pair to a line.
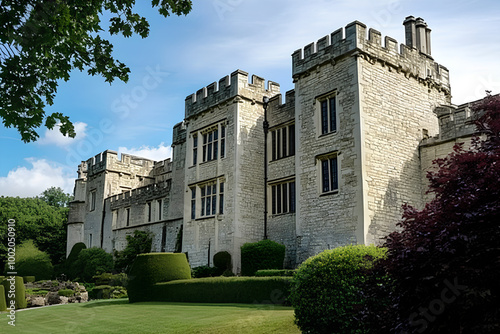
118,316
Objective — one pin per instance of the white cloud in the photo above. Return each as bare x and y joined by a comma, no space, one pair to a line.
30,182
55,137
159,153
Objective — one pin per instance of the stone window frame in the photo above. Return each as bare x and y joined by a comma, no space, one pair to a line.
92,199
328,169
324,109
149,211
201,200
283,196
283,141
159,204
212,141
127,216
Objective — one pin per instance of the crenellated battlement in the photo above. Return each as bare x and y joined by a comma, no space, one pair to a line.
410,59
108,160
279,112
237,84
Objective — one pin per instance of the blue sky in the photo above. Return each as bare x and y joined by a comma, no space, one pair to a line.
184,54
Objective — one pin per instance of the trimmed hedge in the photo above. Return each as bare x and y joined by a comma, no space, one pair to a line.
29,279
205,271
152,268
275,272
265,254
68,267
222,261
3,301
256,290
326,293
20,296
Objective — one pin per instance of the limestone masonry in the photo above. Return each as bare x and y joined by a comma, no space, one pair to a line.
350,144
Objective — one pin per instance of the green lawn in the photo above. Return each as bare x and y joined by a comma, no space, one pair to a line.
118,316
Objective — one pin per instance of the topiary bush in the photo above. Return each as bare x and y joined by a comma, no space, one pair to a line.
265,254
275,272
30,261
222,261
152,268
66,292
17,283
68,266
249,290
90,262
204,271
3,302
29,279
325,290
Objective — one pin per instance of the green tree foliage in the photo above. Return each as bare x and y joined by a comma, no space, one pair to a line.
91,262
265,254
30,261
41,42
325,289
445,262
55,196
138,243
35,220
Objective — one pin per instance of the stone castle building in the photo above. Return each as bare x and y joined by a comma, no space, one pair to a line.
344,150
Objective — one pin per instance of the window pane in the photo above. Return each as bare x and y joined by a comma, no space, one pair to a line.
209,150
195,156
292,196
221,203
324,117
216,135
284,153
278,144
333,115
193,209
334,173
203,206
208,205
214,203
204,152
273,145
285,197
222,148
216,147
278,199
325,175
195,141
222,131
274,200
291,139
205,138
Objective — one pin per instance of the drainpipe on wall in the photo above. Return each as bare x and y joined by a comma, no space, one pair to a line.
265,100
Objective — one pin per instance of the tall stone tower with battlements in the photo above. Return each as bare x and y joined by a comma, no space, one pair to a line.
348,146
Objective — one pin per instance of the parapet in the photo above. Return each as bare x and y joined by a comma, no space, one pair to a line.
353,41
179,133
279,112
229,87
109,160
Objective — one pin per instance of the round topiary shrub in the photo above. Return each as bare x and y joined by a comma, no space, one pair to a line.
90,262
325,290
149,269
68,267
265,254
11,283
222,261
30,261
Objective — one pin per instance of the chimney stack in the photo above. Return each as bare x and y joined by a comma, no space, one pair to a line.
417,34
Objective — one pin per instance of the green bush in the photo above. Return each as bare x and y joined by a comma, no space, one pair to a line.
90,262
66,292
256,290
265,254
20,295
222,261
30,261
3,302
275,272
69,267
204,271
37,292
29,279
100,292
325,290
120,279
152,268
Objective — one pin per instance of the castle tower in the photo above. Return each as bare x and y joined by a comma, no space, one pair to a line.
361,107
224,180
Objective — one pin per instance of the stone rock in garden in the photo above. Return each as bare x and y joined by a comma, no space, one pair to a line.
53,298
37,301
84,296
64,300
